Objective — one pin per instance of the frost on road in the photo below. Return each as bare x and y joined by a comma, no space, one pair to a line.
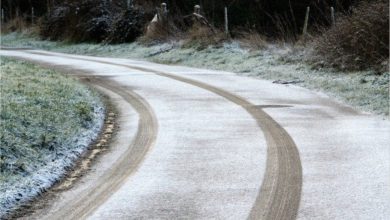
226,147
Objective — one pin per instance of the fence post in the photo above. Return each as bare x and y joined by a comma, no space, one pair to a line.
32,15
18,19
226,22
48,7
306,22
332,16
2,16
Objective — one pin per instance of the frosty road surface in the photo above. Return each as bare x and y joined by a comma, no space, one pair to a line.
201,144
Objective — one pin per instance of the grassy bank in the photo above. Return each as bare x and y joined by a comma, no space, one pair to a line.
366,90
47,120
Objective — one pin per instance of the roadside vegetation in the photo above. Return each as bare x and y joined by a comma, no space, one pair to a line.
354,37
47,121
358,41
367,90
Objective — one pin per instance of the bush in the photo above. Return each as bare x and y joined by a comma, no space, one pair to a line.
94,21
94,29
202,37
16,24
128,27
54,25
160,31
251,39
359,41
82,21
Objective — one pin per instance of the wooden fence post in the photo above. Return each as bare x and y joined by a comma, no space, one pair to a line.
48,5
32,15
18,19
2,16
226,22
306,22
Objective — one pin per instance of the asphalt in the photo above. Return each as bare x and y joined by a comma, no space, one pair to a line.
213,145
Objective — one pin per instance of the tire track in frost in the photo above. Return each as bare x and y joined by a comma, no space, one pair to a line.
126,165
280,191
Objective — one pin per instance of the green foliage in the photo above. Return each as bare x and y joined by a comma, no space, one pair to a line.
84,112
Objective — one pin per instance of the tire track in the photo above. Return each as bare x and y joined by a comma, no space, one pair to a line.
280,191
125,166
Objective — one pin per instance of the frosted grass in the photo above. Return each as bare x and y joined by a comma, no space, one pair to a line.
47,121
365,90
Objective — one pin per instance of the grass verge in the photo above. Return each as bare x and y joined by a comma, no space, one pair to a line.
47,121
366,90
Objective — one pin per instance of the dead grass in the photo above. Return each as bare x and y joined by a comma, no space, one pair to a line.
252,40
359,41
157,33
202,37
19,24
16,24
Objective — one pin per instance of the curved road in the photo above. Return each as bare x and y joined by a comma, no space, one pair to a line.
212,145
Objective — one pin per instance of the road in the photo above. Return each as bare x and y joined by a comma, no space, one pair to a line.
202,144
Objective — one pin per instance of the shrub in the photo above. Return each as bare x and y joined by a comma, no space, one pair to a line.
251,39
359,41
94,21
53,27
128,27
203,36
94,29
160,31
16,24
79,21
